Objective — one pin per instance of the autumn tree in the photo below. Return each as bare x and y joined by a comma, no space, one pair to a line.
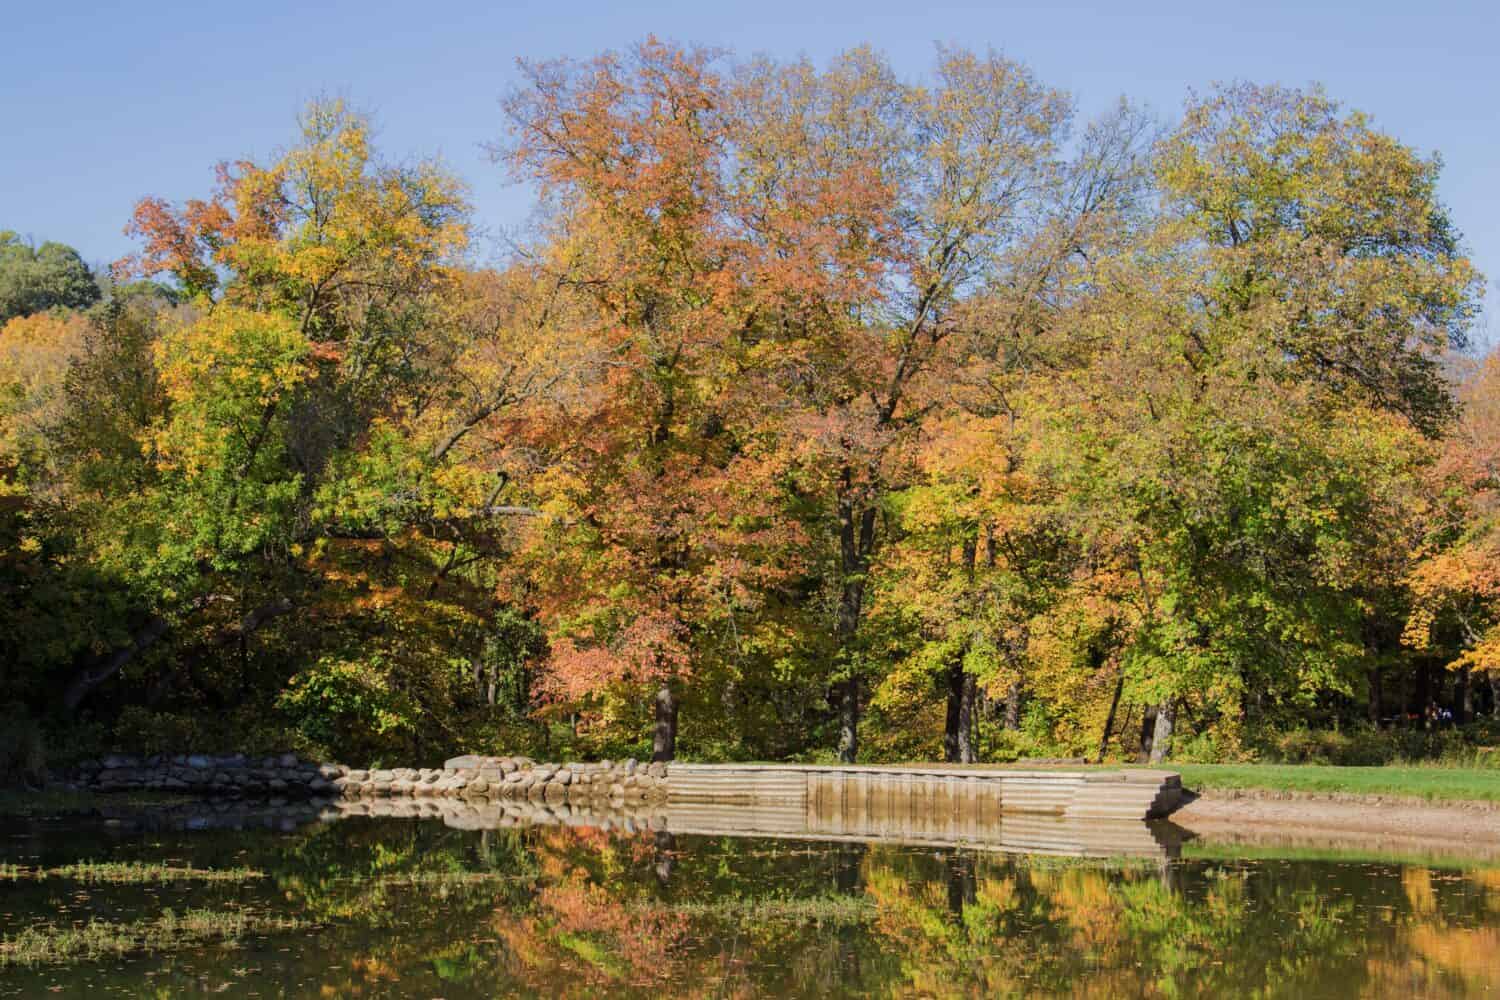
878,208
659,500
1456,582
1269,361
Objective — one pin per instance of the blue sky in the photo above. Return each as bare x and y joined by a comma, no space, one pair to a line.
101,103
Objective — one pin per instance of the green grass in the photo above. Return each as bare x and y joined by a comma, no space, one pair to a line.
103,939
129,873
1433,783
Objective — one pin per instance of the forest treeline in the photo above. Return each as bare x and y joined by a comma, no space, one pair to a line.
817,410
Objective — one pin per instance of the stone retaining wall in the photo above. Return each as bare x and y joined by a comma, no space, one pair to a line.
284,775
469,777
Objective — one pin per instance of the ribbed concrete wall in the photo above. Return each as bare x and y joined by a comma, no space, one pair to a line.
954,800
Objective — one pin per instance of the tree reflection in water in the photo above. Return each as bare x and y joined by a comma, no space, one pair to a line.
413,907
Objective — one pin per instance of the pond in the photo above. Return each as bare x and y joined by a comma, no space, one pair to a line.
294,903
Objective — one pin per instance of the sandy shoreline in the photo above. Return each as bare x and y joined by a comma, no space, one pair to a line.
1397,825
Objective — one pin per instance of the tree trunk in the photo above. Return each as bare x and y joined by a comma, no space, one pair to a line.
664,743
1495,693
1161,740
1109,720
92,676
955,681
1148,734
1013,707
958,734
1376,710
856,541
850,602
1463,708
849,720
969,688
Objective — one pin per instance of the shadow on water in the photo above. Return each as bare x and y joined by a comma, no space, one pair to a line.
477,899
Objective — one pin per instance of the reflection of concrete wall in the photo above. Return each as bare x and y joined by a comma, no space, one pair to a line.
954,799
1028,833
1031,833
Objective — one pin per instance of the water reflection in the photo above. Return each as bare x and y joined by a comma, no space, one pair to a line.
1019,833
421,907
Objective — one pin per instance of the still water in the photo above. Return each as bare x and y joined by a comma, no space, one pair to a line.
369,906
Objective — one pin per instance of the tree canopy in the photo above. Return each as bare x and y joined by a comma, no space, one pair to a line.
821,411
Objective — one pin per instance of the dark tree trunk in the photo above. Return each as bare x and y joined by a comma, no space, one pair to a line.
856,542
847,689
97,673
1463,708
849,720
955,683
1148,734
958,734
1013,707
969,686
1109,720
1423,691
1161,740
1377,696
664,742
1495,693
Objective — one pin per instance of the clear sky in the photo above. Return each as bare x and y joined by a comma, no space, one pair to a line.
102,102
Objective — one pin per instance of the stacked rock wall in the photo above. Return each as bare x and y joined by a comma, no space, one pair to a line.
285,775
518,778
602,784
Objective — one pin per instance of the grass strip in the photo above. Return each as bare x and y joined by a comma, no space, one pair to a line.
98,939
130,873
1434,783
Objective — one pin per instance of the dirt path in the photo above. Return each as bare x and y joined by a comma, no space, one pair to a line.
1281,819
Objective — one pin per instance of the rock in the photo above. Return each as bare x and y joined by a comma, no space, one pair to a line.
357,775
630,765
383,775
288,760
467,762
278,785
507,765
116,760
563,777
